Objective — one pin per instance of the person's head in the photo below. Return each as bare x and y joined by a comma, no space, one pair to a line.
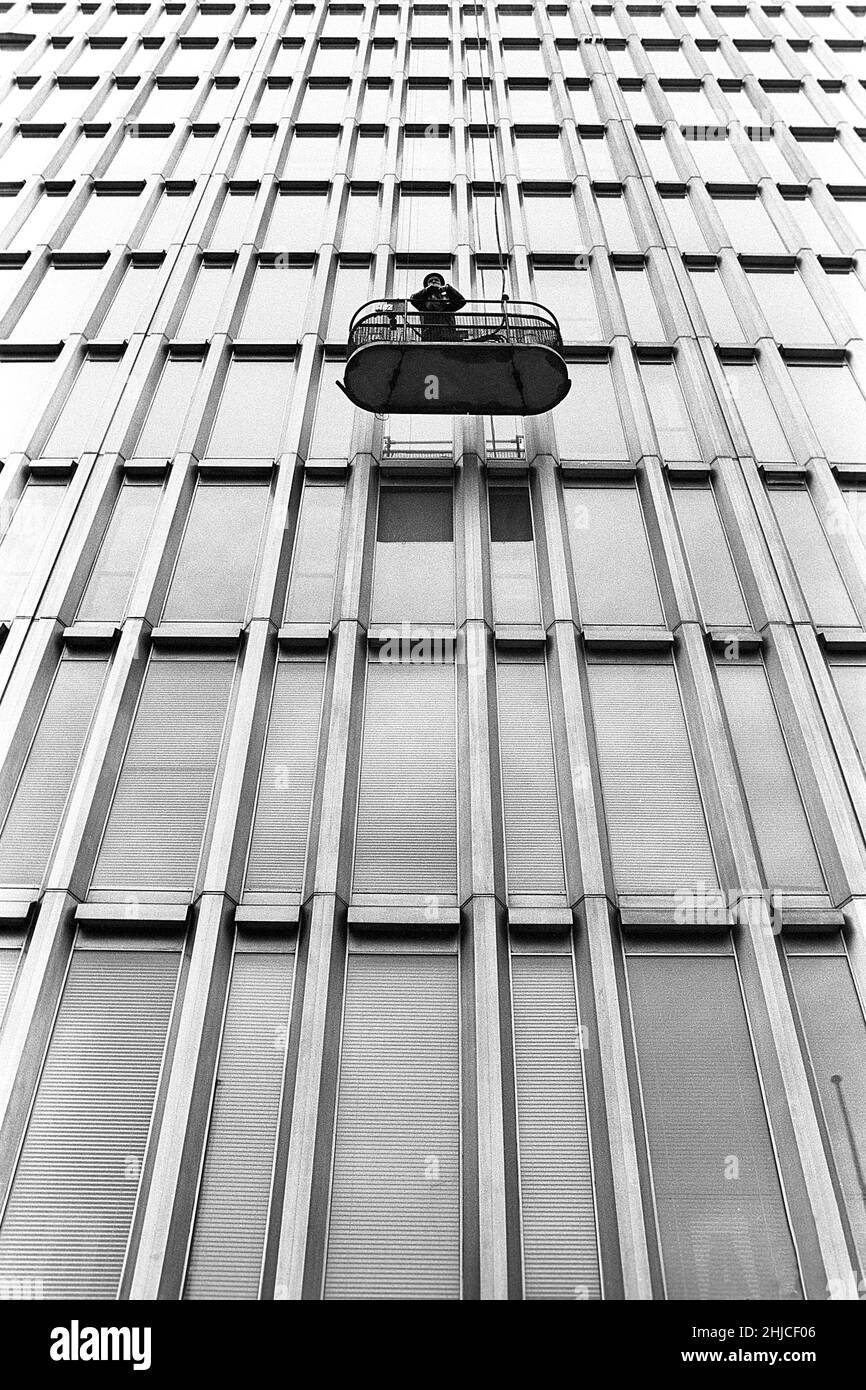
434,281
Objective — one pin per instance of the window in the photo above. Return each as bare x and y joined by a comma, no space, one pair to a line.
278,845
712,569
361,225
233,1203
538,157
105,220
424,222
424,105
813,232
82,421
37,226
406,827
590,434
335,416
717,160
200,314
849,677
832,1019
296,222
640,307
139,155
252,407
512,556
599,161
414,571
232,222
156,823
569,294
24,388
658,157
749,226
170,407
426,155
311,156
618,230
398,1103
604,523
134,294
837,410
558,1219
38,803
684,225
314,557
551,222
57,305
719,1238
779,822
764,433
25,540
655,820
351,290
217,558
812,557
722,322
670,417
168,223
257,154
110,583
92,1136
530,803
277,303
788,308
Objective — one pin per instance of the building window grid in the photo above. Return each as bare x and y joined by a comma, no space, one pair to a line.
661,62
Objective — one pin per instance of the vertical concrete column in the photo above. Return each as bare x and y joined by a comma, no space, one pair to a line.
565,667
315,1077
484,936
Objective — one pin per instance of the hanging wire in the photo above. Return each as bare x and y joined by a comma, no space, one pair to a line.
491,143
496,182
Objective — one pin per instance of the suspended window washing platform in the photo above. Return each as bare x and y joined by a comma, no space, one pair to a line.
491,358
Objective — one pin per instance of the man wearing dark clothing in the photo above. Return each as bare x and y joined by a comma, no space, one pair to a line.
437,304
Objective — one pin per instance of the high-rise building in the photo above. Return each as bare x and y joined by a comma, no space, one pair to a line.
432,848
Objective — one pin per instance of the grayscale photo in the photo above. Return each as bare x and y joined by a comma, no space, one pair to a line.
432,673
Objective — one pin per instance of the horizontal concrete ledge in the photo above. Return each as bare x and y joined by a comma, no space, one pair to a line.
146,468
744,639
236,468
636,639
541,918
597,468
380,633
683,471
516,467
707,917
133,914
304,635
52,468
520,636
285,915
842,639
90,634
326,468
197,634
810,919
782,469
15,911
850,472
392,918
397,466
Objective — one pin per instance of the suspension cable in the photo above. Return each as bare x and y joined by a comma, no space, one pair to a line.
491,144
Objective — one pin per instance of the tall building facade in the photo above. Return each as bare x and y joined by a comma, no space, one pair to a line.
431,848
